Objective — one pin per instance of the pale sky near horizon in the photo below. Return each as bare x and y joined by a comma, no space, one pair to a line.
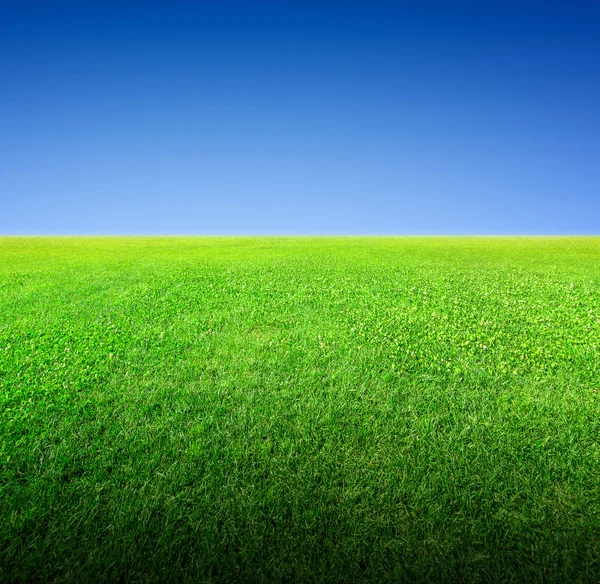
299,118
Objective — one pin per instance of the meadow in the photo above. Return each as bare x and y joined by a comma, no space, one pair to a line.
299,409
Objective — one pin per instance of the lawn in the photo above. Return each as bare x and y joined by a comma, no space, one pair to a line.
299,409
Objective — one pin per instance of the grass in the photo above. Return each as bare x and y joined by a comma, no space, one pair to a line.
300,409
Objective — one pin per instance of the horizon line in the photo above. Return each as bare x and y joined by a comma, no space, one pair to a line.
298,235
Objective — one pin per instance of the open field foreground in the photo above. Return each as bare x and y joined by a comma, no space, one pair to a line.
299,409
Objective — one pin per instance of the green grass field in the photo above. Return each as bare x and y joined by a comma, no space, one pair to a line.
299,409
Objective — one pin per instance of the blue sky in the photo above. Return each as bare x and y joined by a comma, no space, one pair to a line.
299,117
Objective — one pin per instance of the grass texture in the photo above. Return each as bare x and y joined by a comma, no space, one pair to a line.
299,409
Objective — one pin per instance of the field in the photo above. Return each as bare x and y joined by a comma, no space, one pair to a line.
299,409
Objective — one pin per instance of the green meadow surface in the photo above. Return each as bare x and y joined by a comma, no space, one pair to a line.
273,409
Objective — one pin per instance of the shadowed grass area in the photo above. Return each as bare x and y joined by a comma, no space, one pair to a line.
299,409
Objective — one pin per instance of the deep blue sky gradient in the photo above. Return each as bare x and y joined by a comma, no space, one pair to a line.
300,117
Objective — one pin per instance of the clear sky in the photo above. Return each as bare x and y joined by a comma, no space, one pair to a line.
294,117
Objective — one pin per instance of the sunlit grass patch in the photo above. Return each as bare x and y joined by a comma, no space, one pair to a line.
315,409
